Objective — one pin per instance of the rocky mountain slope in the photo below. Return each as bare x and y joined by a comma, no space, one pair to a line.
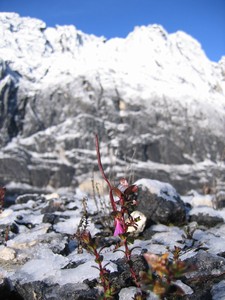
155,100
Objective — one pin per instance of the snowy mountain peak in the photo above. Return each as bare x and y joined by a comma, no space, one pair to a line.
152,33
153,96
149,30
14,22
148,56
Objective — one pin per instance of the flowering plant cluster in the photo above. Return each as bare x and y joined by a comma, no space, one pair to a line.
88,242
122,199
161,270
162,273
123,202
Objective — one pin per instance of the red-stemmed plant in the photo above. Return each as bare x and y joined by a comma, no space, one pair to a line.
122,203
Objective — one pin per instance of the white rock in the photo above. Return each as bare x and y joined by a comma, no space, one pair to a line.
202,200
7,253
51,196
140,223
30,238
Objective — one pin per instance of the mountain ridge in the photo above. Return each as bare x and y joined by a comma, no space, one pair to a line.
152,96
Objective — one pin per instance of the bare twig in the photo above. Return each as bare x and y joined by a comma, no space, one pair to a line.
113,204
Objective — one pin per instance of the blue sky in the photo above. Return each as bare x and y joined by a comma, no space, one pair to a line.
202,19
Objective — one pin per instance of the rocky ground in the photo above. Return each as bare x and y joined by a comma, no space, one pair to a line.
39,257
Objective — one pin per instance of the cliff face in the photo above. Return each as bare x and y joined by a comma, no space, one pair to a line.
155,100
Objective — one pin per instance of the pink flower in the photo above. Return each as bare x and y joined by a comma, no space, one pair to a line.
118,227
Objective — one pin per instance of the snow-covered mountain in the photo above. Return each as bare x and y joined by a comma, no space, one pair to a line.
155,100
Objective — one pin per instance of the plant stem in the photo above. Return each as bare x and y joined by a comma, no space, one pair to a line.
128,258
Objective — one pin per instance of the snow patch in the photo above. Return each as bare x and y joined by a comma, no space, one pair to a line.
161,189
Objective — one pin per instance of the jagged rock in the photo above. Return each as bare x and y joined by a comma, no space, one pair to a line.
40,290
206,216
10,110
53,206
50,218
160,202
132,94
218,291
122,277
208,269
27,197
7,292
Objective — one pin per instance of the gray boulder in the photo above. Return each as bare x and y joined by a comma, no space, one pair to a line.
160,202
